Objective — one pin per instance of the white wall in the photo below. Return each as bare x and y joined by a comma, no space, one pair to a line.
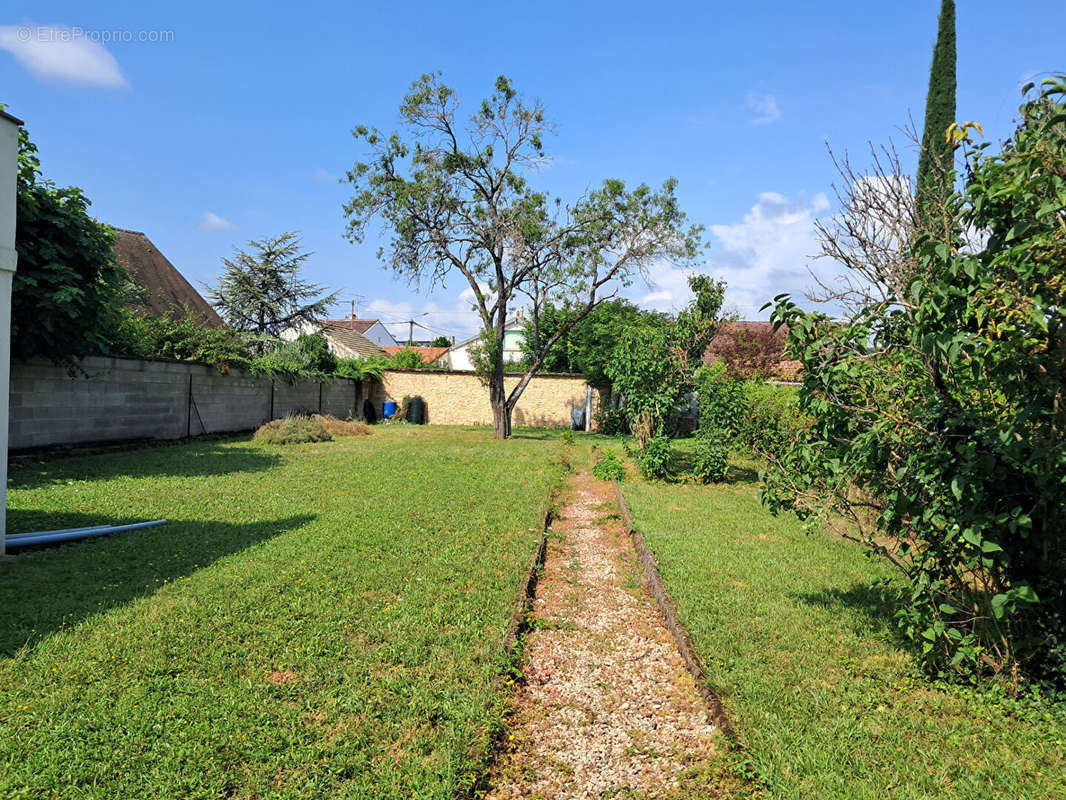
8,260
379,334
459,357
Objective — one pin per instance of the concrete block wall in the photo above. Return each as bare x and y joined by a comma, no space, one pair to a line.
303,398
115,400
343,399
459,398
221,403
118,400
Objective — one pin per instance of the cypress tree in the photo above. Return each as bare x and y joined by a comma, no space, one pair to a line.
936,160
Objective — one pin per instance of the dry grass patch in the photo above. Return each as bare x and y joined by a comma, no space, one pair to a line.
341,427
292,430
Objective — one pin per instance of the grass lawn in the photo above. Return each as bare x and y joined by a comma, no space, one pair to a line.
825,698
316,621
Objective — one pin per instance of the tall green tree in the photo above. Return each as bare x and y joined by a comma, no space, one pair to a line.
69,289
936,161
654,365
457,199
588,346
261,291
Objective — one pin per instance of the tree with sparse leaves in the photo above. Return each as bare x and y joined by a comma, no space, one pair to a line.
457,199
261,291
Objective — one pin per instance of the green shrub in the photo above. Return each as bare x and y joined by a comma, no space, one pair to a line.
408,359
941,431
293,430
305,357
568,437
68,292
722,403
772,416
711,457
759,415
609,467
612,421
360,369
183,338
654,457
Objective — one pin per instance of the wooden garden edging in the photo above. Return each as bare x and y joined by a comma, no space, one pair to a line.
527,588
715,709
516,626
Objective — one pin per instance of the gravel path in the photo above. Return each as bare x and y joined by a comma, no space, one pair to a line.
607,708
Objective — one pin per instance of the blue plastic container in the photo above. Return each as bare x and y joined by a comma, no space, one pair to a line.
389,409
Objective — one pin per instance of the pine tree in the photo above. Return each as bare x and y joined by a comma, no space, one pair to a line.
261,292
937,157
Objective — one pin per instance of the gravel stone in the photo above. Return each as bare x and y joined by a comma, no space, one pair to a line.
607,707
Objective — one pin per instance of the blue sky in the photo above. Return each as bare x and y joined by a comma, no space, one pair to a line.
237,124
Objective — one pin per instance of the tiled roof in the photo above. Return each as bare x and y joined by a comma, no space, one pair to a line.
429,354
165,288
360,325
756,334
350,343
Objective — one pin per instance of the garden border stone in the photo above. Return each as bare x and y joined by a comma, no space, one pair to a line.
516,626
715,708
527,588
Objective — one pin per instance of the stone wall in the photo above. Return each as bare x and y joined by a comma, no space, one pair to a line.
119,400
459,397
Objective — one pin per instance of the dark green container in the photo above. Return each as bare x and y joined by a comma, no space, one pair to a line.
416,412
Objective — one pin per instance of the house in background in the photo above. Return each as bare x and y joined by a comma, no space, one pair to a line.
750,348
163,290
343,339
372,329
459,356
430,355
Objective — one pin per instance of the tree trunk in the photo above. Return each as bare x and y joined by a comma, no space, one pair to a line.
501,412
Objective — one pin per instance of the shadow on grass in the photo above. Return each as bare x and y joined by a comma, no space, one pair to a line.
43,589
875,606
683,462
191,459
538,434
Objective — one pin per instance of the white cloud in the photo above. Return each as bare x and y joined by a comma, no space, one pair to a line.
669,288
764,107
319,175
211,222
59,53
767,252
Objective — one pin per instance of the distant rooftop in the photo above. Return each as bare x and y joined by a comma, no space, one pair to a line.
360,325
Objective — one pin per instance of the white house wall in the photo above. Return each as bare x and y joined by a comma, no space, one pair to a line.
379,334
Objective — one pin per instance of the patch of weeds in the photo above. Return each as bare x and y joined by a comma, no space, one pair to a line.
609,467
293,430
341,427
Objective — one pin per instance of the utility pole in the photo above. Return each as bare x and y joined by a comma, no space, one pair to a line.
410,332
